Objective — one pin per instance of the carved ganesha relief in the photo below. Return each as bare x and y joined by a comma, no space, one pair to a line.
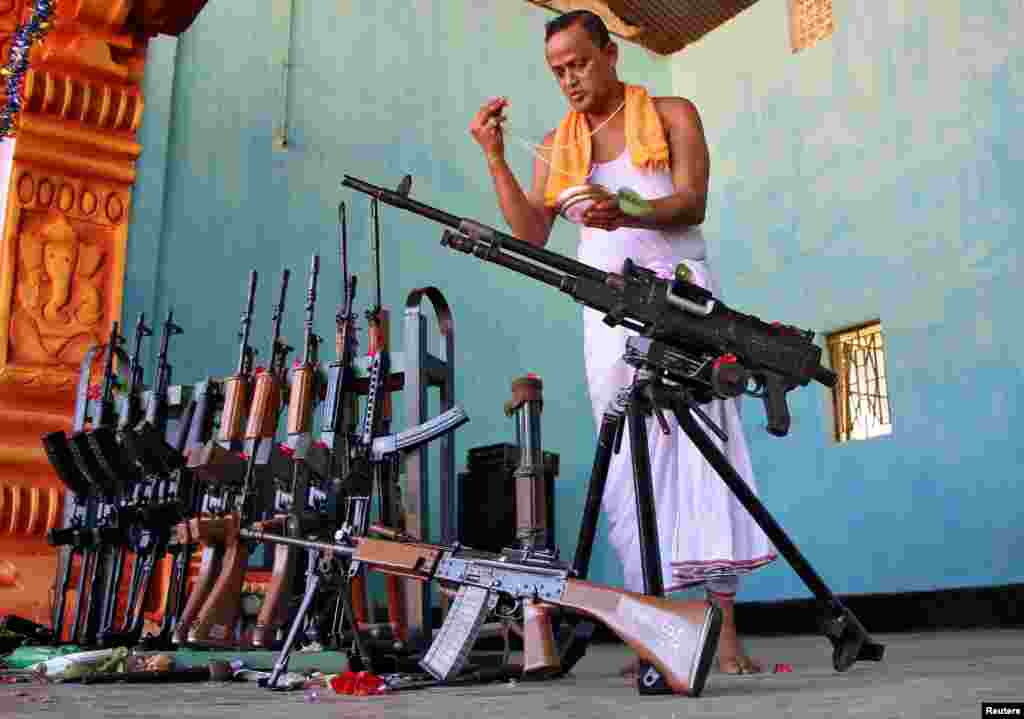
58,299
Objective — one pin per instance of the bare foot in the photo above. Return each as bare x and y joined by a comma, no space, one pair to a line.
740,664
731,657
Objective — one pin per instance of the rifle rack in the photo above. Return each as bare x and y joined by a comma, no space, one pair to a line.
415,371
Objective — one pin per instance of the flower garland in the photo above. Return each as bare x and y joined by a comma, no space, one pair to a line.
14,71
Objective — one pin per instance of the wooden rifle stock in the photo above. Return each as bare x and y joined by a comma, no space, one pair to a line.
209,569
216,621
677,637
274,611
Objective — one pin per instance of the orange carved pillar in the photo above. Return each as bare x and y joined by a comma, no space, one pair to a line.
66,189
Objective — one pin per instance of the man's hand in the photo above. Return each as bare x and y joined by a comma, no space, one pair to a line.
486,128
605,215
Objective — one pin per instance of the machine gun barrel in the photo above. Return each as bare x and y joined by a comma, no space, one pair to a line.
471,227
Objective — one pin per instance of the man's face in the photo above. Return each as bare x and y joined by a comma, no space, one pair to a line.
585,72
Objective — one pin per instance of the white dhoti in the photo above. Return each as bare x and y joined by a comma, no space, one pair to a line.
705,535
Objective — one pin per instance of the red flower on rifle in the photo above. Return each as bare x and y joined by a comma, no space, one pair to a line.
95,392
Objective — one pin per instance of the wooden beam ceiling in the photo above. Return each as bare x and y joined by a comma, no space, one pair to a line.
662,26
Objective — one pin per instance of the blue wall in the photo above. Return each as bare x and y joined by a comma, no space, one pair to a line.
867,177
871,177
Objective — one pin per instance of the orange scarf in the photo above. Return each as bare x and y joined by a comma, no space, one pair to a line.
645,140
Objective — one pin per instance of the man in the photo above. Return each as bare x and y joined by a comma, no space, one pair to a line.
618,136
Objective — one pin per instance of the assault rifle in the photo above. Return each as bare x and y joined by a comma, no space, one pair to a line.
377,421
677,637
206,395
219,465
373,452
216,619
708,345
157,502
339,412
297,497
93,497
123,467
339,408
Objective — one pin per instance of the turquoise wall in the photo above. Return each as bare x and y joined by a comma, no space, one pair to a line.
866,177
871,177
375,90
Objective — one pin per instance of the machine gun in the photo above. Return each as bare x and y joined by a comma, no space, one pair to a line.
721,352
691,348
678,637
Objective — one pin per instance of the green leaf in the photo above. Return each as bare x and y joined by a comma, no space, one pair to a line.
632,203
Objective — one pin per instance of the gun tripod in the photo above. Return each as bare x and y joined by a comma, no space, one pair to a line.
655,389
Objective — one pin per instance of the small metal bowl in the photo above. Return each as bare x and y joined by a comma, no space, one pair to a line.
574,201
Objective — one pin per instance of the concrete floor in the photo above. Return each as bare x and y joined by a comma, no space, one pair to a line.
945,674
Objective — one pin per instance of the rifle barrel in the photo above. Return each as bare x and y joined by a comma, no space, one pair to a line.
259,536
310,338
275,344
396,200
343,230
245,352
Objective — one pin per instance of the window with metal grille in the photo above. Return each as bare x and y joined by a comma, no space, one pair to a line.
809,21
861,396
